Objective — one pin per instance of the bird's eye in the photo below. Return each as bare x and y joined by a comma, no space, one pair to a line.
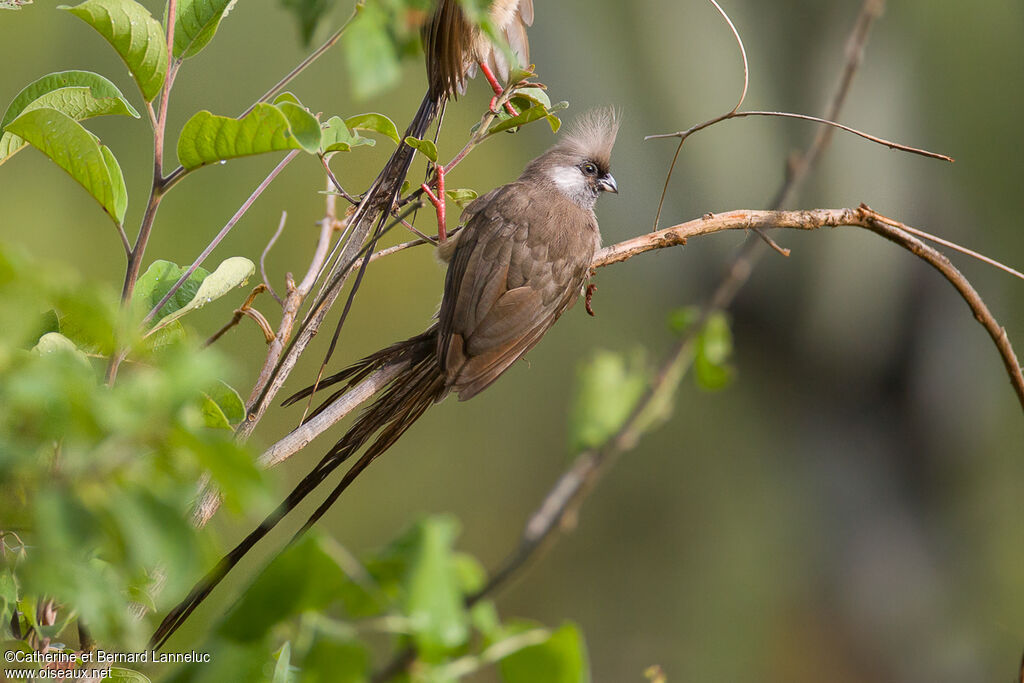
589,168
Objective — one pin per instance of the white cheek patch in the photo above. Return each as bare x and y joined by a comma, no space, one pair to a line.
568,179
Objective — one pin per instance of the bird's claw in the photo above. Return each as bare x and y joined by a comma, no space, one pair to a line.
588,299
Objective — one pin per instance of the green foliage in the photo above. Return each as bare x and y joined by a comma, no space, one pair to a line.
712,350
308,13
608,387
101,477
415,588
462,196
535,112
425,147
78,94
561,659
196,22
207,138
78,152
338,137
198,290
377,39
136,36
376,123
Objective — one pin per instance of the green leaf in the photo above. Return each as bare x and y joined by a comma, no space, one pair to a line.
287,96
562,659
304,126
434,601
370,52
462,196
425,147
306,576
78,152
308,13
213,416
713,347
484,616
711,364
232,272
607,390
528,116
377,123
332,660
528,97
158,280
134,34
8,595
229,401
79,94
127,676
336,137
470,572
195,24
55,342
207,138
282,670
222,407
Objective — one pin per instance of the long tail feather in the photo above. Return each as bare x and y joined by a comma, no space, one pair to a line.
405,399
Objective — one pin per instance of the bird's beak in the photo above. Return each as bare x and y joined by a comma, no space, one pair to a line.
607,183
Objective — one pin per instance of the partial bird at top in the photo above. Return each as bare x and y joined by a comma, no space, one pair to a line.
454,47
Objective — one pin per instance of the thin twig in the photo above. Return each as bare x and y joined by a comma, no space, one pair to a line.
805,117
963,250
124,240
263,257
246,309
222,234
334,181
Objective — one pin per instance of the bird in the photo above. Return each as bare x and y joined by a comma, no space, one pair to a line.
521,260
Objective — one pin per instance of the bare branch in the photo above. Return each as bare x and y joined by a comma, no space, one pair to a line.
805,117
263,257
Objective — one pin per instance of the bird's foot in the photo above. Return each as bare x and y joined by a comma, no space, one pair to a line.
591,288
438,201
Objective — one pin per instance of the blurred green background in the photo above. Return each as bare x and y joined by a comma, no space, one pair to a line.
850,509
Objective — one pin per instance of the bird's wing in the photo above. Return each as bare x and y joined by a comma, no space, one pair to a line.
503,289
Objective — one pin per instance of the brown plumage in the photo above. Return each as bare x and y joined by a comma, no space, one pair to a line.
454,47
520,261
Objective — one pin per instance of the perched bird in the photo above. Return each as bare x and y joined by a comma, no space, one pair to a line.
521,260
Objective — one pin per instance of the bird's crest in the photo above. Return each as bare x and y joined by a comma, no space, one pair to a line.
592,136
